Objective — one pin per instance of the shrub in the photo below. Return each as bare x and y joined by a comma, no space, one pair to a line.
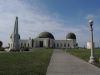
25,49
1,49
13,50
1,44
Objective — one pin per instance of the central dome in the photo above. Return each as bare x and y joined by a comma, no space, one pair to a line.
71,36
46,35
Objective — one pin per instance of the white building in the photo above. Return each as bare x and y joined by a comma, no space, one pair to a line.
89,45
44,40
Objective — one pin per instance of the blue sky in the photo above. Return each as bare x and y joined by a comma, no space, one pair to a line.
56,16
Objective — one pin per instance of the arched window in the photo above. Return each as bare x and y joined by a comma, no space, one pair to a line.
28,44
68,45
9,44
21,45
76,44
64,45
25,45
32,43
49,43
57,45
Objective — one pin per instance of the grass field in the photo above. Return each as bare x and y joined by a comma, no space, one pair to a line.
25,63
85,54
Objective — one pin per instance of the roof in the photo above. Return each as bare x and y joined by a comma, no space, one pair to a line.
46,35
71,36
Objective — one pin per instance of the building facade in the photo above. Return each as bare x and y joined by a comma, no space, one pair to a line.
44,40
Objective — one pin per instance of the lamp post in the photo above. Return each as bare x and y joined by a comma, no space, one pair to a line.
92,58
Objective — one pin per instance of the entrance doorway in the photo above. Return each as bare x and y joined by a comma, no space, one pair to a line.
41,43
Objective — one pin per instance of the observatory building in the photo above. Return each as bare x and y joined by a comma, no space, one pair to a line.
43,40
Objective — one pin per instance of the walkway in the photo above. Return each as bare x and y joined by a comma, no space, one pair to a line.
65,64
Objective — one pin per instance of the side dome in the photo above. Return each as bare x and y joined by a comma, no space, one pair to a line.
46,35
71,36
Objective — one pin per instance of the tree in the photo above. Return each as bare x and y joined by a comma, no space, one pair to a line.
1,44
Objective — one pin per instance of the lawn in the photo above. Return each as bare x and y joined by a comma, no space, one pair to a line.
85,54
25,63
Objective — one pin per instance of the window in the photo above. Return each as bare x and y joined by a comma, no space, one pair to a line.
32,43
68,45
25,45
41,43
9,44
57,45
28,44
21,45
64,45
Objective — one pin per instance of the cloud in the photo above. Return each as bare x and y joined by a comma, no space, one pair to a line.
32,21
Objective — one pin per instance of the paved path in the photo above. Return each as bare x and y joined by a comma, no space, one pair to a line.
65,64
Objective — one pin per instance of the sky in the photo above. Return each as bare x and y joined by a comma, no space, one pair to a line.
56,16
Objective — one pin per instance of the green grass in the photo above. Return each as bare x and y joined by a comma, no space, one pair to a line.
85,54
25,63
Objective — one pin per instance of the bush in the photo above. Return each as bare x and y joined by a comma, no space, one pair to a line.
13,50
1,44
25,49
97,59
1,49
